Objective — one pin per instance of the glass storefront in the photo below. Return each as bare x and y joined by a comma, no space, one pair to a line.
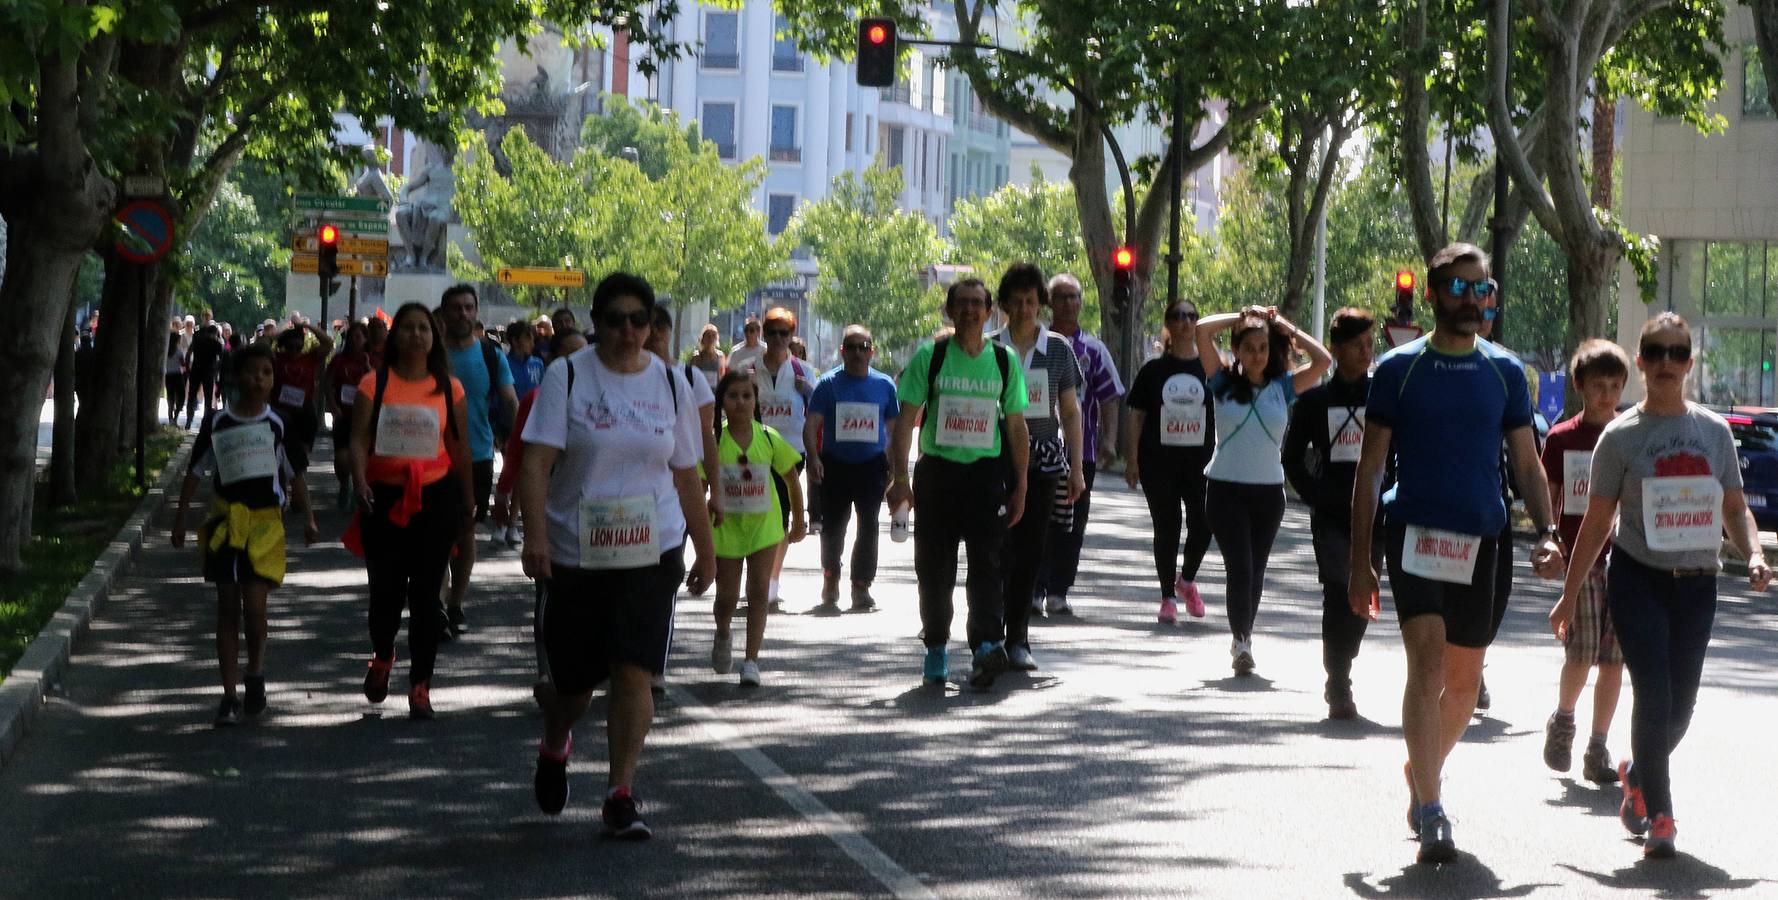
1728,291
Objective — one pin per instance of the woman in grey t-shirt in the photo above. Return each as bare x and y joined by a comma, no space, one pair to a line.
1670,468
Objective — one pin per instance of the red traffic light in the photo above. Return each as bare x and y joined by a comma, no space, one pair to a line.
876,34
1404,280
1124,258
329,234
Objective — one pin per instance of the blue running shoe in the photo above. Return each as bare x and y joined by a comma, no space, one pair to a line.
938,665
1436,845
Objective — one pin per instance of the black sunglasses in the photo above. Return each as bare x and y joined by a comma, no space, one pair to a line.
853,347
777,332
1654,353
641,318
1181,315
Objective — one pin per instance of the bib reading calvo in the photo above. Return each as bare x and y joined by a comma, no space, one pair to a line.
1182,425
407,431
967,422
1037,394
745,489
1682,512
245,452
1577,470
857,423
1345,434
1440,555
618,533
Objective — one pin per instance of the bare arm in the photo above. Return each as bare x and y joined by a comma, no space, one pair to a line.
1134,419
1521,448
1071,435
1320,360
900,441
457,445
1361,584
1020,437
1208,328
533,491
1743,533
812,427
712,471
1595,530
697,526
359,462
187,490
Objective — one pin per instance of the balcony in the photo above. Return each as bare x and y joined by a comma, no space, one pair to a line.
787,154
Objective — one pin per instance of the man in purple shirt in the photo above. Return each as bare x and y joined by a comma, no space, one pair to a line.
1098,414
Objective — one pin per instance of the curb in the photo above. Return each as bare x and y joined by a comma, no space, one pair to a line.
40,668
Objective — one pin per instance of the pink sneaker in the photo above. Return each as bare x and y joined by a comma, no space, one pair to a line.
1180,585
1169,611
1194,602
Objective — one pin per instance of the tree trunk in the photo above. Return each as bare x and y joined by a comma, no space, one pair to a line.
1765,33
151,365
1604,146
40,275
63,489
107,421
1591,269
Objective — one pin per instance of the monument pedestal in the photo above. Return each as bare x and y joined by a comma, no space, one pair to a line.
425,288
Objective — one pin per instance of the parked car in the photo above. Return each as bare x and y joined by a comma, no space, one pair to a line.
1756,443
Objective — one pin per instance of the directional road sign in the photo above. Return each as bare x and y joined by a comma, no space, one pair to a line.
352,227
538,277
367,248
331,203
309,264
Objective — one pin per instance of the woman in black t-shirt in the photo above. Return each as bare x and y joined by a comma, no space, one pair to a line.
1168,439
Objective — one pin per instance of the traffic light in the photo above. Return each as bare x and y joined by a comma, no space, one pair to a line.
327,241
1123,267
1404,296
876,52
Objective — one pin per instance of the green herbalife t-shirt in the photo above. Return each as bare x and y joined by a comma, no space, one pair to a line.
962,422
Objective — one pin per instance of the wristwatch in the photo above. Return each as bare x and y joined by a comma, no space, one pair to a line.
1553,533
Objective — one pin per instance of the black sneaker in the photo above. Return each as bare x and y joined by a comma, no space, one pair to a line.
457,622
862,601
228,712
551,783
1482,699
255,695
990,663
622,818
1436,845
1340,706
1558,742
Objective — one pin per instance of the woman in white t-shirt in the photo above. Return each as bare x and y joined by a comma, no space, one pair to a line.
1244,495
611,456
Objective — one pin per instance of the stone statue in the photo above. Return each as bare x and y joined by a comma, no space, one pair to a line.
425,211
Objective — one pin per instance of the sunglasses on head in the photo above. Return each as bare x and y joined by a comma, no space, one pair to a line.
1181,315
641,318
1654,353
1481,290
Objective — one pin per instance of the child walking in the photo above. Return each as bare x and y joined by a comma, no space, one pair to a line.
1599,371
754,517
243,450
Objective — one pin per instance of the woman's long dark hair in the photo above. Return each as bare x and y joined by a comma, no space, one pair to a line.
1236,386
172,342
437,361
722,388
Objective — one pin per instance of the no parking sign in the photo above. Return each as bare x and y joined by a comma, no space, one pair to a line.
145,232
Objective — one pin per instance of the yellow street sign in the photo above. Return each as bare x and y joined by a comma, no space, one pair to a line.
568,278
370,248
310,264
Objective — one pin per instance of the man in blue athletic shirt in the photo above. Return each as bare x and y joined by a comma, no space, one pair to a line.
1445,401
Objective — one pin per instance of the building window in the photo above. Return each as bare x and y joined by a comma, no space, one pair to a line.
779,208
784,143
848,132
935,86
785,56
1756,96
722,40
895,150
719,128
870,130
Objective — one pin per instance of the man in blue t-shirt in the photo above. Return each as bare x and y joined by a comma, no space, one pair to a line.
483,372
851,415
1445,402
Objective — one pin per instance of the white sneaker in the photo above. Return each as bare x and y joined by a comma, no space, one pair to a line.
1057,605
1242,652
722,654
750,673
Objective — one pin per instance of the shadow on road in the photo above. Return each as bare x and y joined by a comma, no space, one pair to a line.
1467,877
1685,876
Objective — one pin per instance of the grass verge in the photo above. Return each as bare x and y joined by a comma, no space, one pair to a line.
66,542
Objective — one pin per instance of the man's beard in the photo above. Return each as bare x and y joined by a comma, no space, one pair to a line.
1462,320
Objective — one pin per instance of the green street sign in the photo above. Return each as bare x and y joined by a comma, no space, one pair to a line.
354,227
331,203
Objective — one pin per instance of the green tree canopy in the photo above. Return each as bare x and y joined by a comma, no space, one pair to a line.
1034,222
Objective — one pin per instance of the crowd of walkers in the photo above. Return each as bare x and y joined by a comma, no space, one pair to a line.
617,458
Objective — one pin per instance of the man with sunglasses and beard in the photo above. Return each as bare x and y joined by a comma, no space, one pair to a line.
1443,403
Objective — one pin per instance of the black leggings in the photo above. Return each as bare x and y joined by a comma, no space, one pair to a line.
1245,520
848,487
175,396
1024,551
196,383
1166,487
406,565
1663,626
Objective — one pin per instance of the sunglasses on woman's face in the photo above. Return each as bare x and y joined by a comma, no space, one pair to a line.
1181,315
777,332
639,319
1654,353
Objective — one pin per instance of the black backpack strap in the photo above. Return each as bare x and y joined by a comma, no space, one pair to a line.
490,359
937,362
376,405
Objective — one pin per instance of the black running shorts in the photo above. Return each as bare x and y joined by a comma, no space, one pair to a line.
593,619
1468,609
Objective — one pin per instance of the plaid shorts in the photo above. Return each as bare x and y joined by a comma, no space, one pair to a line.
1591,640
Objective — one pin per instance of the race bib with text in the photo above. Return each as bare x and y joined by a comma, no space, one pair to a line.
407,431
967,422
1182,425
291,395
1577,473
1037,394
857,422
1440,555
1682,512
245,452
746,488
1345,434
618,533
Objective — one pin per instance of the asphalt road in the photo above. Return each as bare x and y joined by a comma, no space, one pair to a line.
1132,764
